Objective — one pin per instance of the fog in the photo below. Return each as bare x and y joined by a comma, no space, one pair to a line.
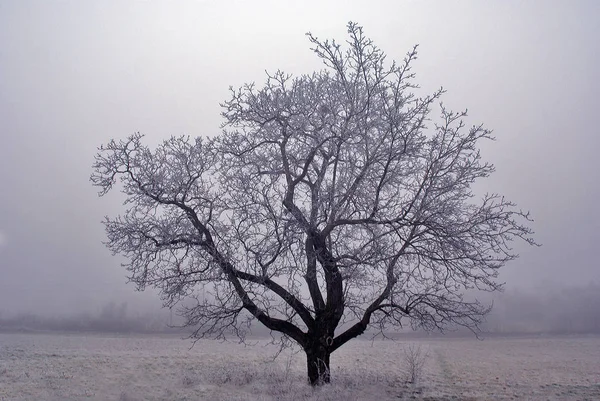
75,74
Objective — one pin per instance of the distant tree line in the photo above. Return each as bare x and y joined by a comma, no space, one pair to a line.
112,318
573,310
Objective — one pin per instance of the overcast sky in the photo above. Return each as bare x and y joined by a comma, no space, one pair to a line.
74,74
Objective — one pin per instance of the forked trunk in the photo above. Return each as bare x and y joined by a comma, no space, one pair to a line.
317,359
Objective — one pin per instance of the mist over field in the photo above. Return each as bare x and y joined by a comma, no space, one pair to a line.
323,225
75,74
558,311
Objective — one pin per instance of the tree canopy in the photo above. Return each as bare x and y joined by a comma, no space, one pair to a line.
332,197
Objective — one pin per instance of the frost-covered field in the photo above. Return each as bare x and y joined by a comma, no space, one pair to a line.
102,367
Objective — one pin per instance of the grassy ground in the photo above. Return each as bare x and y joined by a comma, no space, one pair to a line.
96,367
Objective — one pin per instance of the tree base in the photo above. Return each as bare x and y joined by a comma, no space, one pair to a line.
317,361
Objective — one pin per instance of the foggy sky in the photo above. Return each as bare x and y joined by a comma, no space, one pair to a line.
75,74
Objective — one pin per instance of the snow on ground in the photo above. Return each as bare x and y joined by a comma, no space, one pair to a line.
102,367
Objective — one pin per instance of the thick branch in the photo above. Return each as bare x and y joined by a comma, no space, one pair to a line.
291,300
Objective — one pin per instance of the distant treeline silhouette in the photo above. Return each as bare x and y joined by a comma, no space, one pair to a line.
112,318
573,310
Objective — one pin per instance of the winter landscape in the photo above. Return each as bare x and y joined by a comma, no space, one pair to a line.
316,200
130,368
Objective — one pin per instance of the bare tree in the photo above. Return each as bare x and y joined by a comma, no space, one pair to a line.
414,358
326,200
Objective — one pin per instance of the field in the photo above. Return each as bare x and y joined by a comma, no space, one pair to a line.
103,367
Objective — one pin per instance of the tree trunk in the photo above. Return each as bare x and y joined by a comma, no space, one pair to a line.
317,359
